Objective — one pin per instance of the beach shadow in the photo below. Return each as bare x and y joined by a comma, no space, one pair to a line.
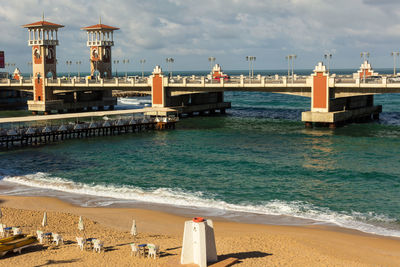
34,248
120,245
51,262
172,248
166,254
110,248
244,255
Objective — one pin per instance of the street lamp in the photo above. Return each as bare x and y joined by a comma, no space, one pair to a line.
79,63
251,60
328,57
364,55
212,60
125,61
290,59
69,63
142,61
7,64
116,71
394,54
169,61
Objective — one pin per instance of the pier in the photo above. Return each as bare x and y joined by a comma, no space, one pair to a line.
38,130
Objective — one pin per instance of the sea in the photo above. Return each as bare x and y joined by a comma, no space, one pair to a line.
257,164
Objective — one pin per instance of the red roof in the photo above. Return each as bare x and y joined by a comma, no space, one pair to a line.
100,27
43,23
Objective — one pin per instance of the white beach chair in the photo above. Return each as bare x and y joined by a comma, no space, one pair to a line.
153,250
2,232
58,239
97,245
40,236
135,249
80,242
16,231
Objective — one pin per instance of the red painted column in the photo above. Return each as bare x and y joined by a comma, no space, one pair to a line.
320,89
158,96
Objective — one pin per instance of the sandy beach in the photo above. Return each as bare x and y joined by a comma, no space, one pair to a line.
253,245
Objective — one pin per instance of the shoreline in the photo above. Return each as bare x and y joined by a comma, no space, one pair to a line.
253,244
93,201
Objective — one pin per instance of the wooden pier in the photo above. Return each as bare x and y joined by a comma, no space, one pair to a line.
29,135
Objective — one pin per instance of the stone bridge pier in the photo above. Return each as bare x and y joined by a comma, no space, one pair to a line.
188,103
331,111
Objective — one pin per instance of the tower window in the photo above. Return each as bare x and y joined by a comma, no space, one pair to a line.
36,53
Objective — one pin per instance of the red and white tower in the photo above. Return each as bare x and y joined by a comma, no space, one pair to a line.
43,38
100,40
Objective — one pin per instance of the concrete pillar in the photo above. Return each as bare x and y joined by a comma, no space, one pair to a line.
320,89
158,93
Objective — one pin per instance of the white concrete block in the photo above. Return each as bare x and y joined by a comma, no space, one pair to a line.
199,243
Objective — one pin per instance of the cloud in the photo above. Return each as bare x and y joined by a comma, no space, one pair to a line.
190,30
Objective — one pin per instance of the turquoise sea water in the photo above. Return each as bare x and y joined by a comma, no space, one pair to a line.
258,159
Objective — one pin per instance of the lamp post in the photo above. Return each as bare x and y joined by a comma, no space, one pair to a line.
116,70
169,61
7,64
251,60
79,63
328,57
211,60
69,63
291,59
288,66
125,61
394,55
364,55
142,61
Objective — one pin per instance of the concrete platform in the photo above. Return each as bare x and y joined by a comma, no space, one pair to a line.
190,109
342,116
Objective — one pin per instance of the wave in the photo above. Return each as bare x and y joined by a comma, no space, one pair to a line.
175,197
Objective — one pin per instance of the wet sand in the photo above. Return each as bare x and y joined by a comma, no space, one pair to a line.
253,244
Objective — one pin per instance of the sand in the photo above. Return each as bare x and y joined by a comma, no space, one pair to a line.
252,244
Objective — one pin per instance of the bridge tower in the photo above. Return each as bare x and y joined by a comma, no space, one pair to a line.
100,40
43,38
329,108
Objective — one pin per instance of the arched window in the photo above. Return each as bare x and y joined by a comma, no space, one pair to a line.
95,53
36,53
50,53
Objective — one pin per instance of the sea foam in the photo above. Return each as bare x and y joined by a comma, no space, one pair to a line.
176,197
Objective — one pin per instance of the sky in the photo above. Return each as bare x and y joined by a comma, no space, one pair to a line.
191,31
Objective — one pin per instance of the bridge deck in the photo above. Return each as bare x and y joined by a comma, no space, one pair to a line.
183,85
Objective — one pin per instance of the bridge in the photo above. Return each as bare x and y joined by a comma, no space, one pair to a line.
334,98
